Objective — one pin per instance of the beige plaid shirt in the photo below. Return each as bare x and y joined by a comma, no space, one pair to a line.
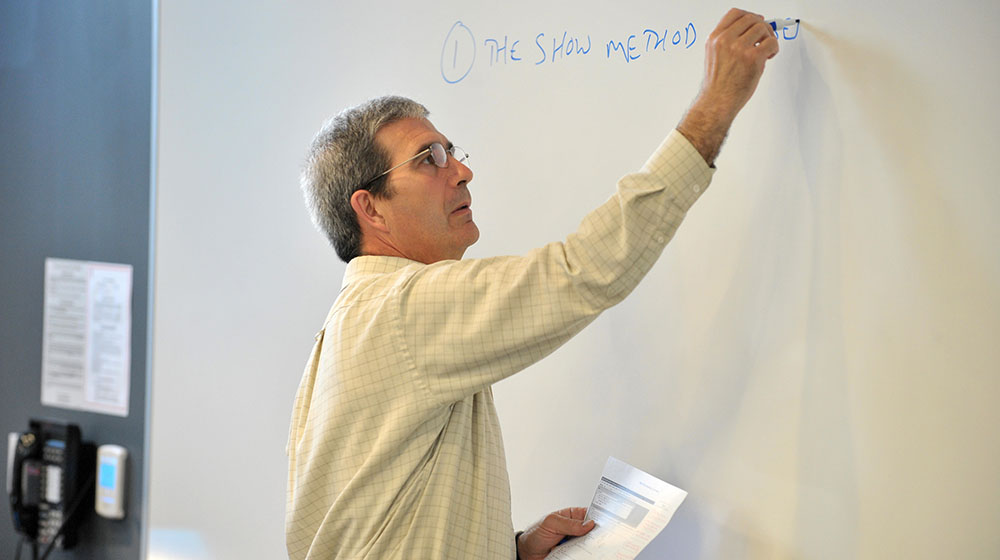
395,448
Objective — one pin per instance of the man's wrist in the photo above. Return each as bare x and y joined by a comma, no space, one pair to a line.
706,125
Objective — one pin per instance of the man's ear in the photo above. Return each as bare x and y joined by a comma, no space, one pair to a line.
364,206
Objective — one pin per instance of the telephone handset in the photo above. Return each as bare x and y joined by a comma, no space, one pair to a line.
25,484
50,472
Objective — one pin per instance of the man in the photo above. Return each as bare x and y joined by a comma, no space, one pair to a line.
395,448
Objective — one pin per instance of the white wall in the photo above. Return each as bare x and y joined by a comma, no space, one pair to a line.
814,358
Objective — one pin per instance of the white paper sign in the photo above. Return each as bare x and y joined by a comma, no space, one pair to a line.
630,508
87,336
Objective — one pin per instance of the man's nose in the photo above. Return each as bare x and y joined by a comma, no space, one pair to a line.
462,172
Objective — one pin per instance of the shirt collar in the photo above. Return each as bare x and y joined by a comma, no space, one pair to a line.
370,265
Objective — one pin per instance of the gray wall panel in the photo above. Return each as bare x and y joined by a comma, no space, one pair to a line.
74,183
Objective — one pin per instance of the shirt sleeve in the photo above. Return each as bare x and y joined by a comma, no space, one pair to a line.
468,324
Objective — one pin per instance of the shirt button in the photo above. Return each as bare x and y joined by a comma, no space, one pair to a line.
660,239
696,188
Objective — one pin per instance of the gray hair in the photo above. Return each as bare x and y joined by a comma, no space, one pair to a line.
343,157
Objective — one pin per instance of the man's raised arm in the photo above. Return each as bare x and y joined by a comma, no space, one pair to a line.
734,61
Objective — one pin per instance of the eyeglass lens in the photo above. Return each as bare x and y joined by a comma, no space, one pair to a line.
440,155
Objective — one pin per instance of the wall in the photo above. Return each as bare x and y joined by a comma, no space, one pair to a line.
813,358
75,100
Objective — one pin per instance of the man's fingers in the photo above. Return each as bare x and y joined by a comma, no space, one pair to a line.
749,24
731,17
746,32
761,38
573,512
765,40
565,525
769,46
739,26
757,33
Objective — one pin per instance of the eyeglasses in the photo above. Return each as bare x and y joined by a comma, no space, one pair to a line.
438,154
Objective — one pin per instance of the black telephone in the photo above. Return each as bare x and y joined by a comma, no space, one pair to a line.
51,471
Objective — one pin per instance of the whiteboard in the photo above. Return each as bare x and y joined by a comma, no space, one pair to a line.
814,358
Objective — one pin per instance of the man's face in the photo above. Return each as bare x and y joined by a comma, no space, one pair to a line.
429,216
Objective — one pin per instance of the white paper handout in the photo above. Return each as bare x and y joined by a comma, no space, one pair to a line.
86,336
630,508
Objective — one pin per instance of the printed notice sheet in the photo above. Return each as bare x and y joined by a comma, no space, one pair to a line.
629,508
87,336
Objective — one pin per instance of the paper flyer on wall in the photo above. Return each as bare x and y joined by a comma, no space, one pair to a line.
86,336
630,507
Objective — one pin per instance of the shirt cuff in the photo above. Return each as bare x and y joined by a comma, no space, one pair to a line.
678,165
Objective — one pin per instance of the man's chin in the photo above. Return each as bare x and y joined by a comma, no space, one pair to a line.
471,239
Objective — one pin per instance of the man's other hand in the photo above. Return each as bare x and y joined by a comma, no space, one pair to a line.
536,542
735,54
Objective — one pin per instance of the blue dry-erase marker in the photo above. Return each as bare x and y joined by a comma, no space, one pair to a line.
777,24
